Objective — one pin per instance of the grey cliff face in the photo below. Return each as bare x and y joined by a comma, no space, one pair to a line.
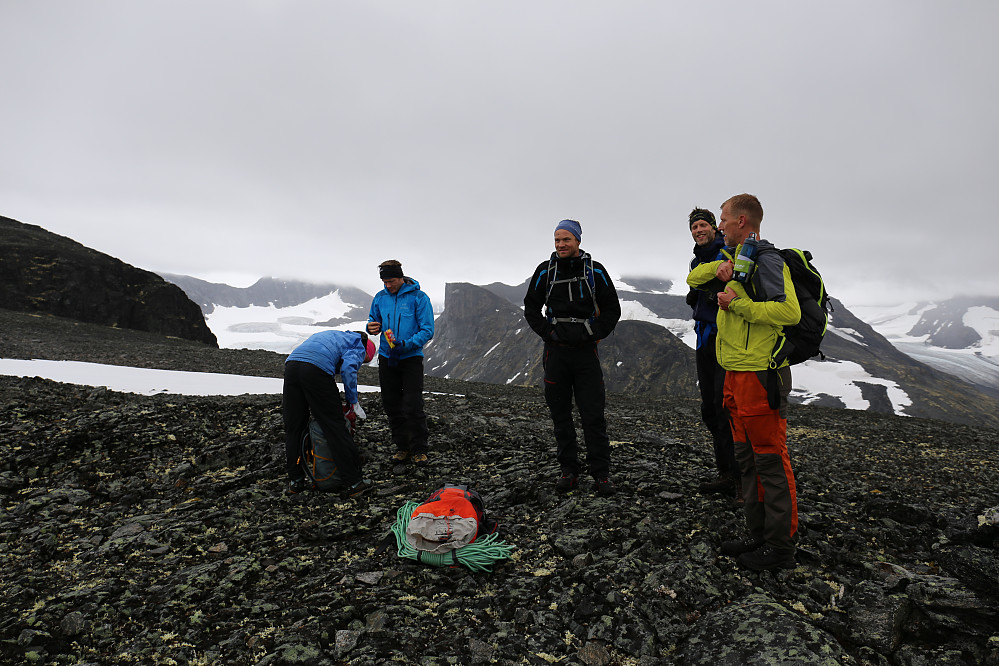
482,336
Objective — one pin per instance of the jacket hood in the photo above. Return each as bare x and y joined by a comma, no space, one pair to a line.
765,245
408,284
709,251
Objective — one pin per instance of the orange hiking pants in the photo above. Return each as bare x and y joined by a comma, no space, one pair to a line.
759,432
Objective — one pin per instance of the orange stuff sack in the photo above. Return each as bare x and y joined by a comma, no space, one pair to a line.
452,517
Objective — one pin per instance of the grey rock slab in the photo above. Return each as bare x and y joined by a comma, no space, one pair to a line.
758,631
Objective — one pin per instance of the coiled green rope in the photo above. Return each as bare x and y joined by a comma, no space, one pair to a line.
477,556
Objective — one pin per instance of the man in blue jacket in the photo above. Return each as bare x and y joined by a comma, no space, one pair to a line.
404,317
708,245
310,389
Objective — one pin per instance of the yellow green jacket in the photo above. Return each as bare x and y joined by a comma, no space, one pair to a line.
748,331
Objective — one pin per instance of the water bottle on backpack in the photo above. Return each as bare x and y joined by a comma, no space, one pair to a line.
745,260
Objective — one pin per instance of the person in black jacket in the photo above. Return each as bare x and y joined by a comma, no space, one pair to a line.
708,245
571,304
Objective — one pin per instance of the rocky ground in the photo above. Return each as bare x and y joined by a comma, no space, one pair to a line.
154,530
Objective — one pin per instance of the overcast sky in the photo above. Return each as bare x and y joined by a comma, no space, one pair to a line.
235,139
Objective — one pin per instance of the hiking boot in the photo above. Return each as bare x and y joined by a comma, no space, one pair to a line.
568,481
420,459
295,487
723,484
358,489
400,456
767,559
604,486
739,546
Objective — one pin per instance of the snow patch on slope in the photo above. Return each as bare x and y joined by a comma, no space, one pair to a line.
812,379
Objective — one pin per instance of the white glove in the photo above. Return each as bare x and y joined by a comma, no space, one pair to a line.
357,410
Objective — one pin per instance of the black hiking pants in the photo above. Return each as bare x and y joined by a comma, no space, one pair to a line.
402,396
310,390
711,382
574,372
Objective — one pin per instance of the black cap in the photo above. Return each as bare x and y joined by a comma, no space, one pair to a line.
702,214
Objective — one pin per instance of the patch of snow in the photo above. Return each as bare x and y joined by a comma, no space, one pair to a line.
893,321
146,381
985,321
277,329
848,334
840,378
492,348
681,328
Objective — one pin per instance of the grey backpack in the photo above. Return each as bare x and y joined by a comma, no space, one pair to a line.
317,461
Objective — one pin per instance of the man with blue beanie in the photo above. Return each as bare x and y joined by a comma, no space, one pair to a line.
571,304
310,390
708,246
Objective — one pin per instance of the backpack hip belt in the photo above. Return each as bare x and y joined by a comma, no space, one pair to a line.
573,320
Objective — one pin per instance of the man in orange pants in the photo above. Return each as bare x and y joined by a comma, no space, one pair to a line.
752,313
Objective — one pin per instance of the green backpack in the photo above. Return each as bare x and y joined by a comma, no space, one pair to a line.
802,341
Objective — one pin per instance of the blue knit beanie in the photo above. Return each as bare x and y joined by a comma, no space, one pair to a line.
572,227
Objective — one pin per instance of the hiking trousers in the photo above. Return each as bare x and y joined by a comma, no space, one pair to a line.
574,373
711,382
402,396
311,390
760,435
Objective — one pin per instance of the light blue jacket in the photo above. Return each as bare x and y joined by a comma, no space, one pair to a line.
335,352
409,314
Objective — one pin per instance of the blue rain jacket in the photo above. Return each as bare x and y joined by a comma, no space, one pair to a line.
335,352
409,314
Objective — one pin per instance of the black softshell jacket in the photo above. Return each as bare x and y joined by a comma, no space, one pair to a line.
572,299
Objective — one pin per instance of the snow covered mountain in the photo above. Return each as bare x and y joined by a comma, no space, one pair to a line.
274,314
959,336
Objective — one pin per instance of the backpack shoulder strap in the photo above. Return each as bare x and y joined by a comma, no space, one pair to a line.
588,278
591,282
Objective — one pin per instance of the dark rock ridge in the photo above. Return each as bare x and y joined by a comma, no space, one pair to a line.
650,292
46,273
645,357
483,337
271,291
154,530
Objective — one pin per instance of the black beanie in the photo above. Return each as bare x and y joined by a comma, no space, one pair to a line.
702,214
390,271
